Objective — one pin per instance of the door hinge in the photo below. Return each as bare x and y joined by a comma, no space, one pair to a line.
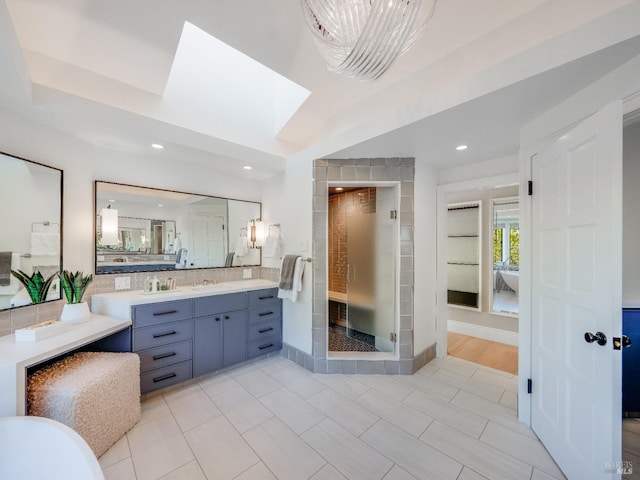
392,337
393,214
530,188
529,387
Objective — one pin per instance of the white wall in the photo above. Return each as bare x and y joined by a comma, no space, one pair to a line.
488,168
83,164
288,201
425,284
631,219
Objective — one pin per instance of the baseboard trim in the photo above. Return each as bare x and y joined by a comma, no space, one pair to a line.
480,331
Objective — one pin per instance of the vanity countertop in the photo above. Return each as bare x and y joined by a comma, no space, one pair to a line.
118,304
28,353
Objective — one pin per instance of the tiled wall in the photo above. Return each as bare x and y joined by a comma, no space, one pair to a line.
11,320
401,170
340,206
106,283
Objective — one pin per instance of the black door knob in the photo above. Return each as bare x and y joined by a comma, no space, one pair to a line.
599,337
626,341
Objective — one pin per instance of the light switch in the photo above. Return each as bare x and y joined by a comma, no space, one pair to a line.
246,273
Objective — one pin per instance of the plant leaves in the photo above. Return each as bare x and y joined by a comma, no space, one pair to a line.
37,287
74,285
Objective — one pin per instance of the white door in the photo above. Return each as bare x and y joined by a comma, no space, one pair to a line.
207,241
576,288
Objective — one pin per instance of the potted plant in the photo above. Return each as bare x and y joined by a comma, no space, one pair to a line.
74,285
35,285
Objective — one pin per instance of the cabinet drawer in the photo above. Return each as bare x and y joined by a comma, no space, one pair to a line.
264,345
164,355
163,377
265,329
162,312
149,337
267,312
219,303
261,297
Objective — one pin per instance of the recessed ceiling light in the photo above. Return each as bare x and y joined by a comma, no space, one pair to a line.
461,147
112,201
247,167
157,146
160,205
339,189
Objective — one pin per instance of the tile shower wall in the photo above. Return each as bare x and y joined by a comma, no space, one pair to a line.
400,170
342,205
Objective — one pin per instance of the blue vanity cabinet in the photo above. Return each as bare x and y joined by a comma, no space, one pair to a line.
631,362
220,331
207,344
265,322
234,337
162,337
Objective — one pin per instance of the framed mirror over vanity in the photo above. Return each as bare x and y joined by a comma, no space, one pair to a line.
31,218
143,229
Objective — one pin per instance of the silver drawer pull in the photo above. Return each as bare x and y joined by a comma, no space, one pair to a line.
168,312
264,314
265,346
159,335
164,377
265,297
264,330
164,355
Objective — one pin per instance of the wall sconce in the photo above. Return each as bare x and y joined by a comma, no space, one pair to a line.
255,233
109,226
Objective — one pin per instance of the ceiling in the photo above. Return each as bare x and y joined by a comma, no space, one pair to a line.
113,74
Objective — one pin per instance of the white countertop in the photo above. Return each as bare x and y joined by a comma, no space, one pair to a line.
118,304
29,353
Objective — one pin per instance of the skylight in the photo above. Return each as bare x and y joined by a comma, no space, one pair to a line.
228,91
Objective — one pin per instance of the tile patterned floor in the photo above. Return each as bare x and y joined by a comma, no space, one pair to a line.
272,419
631,446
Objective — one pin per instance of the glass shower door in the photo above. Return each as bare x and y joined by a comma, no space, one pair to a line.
371,273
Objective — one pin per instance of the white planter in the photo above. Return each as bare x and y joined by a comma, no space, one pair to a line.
75,312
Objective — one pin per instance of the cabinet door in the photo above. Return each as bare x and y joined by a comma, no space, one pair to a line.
207,344
235,337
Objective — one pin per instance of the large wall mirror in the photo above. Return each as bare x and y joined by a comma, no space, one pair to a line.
141,229
31,217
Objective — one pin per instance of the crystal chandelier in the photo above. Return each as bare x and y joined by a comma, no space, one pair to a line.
363,38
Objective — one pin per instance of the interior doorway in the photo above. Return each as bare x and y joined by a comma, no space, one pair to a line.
481,250
362,243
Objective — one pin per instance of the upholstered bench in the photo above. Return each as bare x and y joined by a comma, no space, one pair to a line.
97,394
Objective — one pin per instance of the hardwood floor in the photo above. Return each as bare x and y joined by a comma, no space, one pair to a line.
485,352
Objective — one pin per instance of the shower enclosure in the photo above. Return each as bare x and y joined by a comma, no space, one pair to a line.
362,241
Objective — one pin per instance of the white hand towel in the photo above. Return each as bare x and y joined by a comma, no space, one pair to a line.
44,243
242,246
272,247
